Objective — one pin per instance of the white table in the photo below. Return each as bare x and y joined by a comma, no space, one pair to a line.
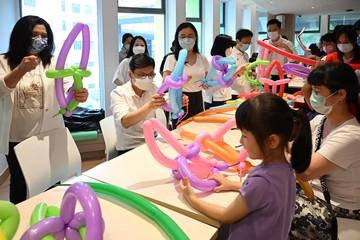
121,221
296,83
139,172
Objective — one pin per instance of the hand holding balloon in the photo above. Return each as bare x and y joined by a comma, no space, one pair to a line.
224,183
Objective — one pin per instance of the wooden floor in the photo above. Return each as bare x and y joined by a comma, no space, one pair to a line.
86,165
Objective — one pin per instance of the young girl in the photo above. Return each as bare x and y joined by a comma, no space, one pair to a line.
264,207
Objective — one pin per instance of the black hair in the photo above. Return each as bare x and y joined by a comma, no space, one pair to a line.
274,21
336,76
221,43
268,114
21,41
141,60
328,37
357,25
350,32
126,36
177,47
241,33
132,43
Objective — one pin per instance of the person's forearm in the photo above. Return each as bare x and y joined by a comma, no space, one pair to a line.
135,117
14,77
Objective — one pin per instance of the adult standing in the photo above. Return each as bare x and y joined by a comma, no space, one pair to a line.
126,39
28,102
196,67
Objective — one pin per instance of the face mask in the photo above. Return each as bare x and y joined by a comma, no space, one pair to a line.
328,49
345,48
126,47
228,52
273,35
38,44
187,43
318,103
244,47
138,49
144,84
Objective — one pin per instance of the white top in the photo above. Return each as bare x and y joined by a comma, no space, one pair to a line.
341,147
217,93
272,56
197,71
125,100
122,71
240,84
30,106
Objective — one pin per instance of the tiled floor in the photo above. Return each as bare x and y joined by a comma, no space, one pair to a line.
86,165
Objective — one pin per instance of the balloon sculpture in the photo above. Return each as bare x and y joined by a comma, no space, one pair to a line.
199,166
226,76
67,104
9,220
301,43
174,83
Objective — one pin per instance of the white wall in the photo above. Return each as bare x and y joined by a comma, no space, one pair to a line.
9,14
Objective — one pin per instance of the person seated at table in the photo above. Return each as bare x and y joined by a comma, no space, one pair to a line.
259,211
135,102
336,159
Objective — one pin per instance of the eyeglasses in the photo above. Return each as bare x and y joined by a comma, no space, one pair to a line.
143,76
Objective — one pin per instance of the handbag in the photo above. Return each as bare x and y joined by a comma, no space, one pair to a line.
314,219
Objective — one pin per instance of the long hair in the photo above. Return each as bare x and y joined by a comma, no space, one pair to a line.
350,33
21,40
176,38
336,76
132,43
268,114
221,43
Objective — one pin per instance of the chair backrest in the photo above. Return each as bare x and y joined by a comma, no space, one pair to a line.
48,158
109,134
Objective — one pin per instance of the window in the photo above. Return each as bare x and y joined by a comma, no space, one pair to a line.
144,18
29,3
342,19
76,8
222,17
61,32
262,29
311,33
193,15
88,10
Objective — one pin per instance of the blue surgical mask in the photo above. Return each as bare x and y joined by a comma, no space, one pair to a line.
38,44
244,47
318,103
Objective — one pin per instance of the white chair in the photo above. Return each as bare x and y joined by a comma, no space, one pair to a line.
109,134
160,115
48,158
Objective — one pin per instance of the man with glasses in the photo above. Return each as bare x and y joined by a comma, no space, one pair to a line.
135,102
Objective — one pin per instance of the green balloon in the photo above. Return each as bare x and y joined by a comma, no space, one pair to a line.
254,82
9,219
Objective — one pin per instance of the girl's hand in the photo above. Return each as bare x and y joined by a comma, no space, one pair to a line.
81,95
225,184
186,189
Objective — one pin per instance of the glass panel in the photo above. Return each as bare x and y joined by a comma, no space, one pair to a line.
307,39
343,19
140,3
61,27
262,21
150,27
192,8
222,13
310,23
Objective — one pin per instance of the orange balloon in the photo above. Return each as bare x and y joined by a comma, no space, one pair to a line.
211,119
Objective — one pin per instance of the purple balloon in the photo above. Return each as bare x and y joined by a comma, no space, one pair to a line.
296,69
50,225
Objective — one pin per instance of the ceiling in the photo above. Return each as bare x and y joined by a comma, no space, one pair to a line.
309,7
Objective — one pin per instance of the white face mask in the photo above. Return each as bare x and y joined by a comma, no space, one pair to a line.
187,43
143,84
228,52
318,102
345,48
127,46
138,49
273,35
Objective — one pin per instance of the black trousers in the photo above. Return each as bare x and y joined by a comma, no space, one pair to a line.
196,105
17,181
213,104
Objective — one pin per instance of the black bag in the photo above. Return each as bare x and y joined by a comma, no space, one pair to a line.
84,119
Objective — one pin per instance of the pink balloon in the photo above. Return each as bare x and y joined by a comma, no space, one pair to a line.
263,56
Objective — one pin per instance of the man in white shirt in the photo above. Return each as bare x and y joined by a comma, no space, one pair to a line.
275,39
135,102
